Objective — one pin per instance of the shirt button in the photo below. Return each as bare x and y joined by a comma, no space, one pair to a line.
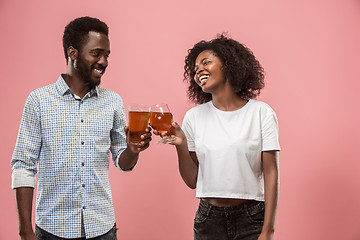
84,207
82,120
82,164
83,185
82,143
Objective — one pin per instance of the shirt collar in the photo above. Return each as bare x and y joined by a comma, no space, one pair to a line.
64,89
94,92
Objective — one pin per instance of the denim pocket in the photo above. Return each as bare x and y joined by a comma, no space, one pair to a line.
200,217
256,212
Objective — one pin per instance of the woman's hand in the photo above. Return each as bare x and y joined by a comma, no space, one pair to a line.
266,236
177,136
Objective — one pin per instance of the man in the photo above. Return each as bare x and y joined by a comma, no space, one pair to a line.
67,132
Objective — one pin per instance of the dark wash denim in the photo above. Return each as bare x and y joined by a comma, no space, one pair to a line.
43,235
243,222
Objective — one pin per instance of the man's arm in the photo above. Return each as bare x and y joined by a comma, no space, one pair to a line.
24,199
129,157
27,150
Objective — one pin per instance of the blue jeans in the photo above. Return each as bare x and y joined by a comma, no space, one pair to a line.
243,222
43,235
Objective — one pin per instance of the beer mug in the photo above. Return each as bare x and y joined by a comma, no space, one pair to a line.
138,122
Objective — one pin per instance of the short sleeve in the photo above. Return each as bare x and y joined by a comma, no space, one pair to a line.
187,127
269,130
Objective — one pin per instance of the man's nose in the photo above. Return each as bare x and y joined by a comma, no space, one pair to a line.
103,61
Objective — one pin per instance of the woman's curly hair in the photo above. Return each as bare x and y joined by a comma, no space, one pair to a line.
240,67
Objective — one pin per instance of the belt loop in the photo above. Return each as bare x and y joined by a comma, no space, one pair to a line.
209,207
206,207
246,208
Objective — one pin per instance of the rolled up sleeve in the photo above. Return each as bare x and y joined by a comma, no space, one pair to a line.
28,146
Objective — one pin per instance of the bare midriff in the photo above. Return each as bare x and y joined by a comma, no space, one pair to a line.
226,202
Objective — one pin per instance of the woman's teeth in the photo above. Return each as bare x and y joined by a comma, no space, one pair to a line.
203,79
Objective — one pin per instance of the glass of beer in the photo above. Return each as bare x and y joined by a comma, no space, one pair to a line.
138,122
161,120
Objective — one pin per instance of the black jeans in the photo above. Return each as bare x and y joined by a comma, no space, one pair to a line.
243,222
43,235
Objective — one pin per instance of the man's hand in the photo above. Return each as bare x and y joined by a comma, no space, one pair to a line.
130,155
144,144
29,236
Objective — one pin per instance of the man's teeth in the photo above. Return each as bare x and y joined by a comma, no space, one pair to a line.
98,71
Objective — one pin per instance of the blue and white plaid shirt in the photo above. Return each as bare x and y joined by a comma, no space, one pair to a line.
67,141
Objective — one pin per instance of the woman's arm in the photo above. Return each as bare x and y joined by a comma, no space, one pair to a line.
270,163
188,166
188,162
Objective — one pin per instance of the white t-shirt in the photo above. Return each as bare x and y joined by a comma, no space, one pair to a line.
228,145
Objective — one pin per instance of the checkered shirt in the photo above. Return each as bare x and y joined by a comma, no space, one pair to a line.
67,141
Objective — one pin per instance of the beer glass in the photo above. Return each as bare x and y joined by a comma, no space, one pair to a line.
161,120
138,122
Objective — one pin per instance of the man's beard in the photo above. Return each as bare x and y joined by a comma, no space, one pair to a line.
85,73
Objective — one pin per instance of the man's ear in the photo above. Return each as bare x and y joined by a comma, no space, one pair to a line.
72,53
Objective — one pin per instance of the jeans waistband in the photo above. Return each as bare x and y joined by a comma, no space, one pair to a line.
206,208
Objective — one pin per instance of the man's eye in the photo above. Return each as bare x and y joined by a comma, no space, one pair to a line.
206,63
96,54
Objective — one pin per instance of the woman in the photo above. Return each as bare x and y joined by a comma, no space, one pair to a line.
228,148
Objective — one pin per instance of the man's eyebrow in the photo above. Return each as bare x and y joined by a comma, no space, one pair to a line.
100,50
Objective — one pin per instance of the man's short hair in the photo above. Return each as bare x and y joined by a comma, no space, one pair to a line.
76,33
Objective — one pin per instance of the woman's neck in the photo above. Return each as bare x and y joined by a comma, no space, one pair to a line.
228,100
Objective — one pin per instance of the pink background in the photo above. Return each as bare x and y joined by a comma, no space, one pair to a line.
310,50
